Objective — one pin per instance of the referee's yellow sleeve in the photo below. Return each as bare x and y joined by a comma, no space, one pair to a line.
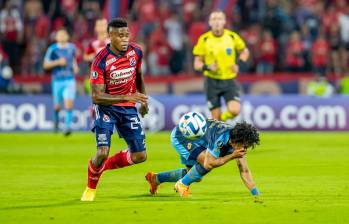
199,48
239,43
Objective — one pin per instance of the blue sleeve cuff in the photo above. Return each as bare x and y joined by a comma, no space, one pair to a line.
254,191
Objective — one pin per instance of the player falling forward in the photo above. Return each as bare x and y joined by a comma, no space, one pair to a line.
116,84
220,144
60,58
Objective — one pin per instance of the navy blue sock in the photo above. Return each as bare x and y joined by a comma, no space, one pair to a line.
56,117
171,176
194,174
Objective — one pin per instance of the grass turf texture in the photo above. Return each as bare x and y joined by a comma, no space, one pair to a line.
304,178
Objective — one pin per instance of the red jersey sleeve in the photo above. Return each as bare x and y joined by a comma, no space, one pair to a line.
97,73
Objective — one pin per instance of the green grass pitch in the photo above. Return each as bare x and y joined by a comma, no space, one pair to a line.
303,177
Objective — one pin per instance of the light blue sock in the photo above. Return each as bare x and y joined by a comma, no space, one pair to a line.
68,119
194,174
170,176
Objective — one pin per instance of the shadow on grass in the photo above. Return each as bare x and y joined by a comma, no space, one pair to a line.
51,205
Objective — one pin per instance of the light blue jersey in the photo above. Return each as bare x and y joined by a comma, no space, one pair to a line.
68,52
215,140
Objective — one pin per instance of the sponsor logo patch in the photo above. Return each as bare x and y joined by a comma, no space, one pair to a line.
106,118
108,62
122,74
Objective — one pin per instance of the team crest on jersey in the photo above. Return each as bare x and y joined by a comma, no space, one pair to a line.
106,118
189,146
108,62
94,75
229,51
133,61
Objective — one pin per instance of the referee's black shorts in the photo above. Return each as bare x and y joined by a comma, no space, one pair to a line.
217,88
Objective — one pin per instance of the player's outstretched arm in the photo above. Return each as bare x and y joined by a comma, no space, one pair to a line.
246,177
100,97
213,162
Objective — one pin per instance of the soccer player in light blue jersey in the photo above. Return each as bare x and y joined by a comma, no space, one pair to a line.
220,144
60,59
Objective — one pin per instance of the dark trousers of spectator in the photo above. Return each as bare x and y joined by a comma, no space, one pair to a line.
12,49
264,67
176,61
320,70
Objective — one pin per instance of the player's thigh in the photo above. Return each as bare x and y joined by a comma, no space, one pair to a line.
130,128
212,94
57,93
103,126
69,93
230,90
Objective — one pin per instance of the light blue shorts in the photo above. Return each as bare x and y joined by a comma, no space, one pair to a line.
188,150
63,90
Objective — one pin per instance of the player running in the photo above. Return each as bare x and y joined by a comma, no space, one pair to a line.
60,59
116,84
220,144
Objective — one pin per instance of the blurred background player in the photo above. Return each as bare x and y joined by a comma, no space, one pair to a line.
215,56
92,50
100,42
116,85
220,144
60,58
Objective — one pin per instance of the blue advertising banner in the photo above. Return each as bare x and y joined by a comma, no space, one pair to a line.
287,112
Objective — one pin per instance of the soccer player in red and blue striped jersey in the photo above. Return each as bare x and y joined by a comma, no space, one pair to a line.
116,85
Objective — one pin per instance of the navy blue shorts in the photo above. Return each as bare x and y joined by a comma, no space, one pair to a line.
126,122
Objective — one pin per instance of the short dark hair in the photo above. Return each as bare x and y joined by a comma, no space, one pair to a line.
117,23
245,134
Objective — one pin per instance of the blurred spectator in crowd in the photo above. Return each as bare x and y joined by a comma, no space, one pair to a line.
159,53
11,32
344,31
6,73
294,53
175,39
320,53
267,54
334,42
320,87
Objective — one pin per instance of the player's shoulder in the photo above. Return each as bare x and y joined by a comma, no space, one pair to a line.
205,36
137,48
100,57
52,46
231,33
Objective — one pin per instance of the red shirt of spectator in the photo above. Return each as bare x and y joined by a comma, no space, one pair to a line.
294,52
320,51
268,48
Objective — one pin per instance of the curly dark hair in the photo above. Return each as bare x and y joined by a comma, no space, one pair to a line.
117,23
245,134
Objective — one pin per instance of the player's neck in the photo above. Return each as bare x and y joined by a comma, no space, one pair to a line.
218,33
116,51
62,45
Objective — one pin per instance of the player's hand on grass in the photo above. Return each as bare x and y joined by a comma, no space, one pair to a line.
258,199
143,110
137,98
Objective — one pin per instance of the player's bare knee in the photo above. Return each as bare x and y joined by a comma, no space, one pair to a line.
139,157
